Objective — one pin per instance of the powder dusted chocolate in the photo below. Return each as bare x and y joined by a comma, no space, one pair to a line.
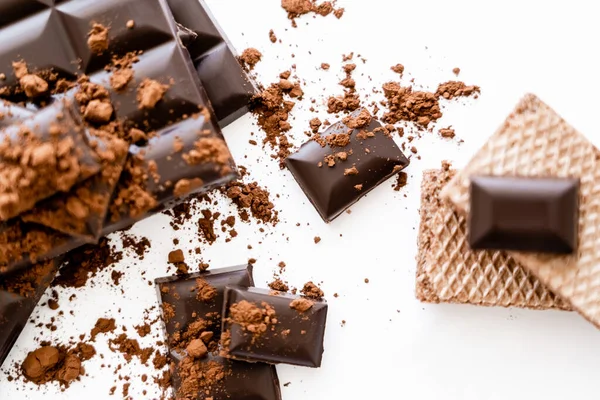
301,304
252,317
279,286
250,57
50,145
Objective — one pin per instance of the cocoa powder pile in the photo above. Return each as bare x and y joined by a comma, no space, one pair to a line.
56,363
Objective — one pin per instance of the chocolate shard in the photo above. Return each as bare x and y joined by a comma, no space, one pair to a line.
192,307
294,327
336,174
524,214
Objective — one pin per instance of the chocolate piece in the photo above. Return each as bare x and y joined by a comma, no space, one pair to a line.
228,87
196,300
449,271
524,214
347,167
171,155
82,212
294,327
45,154
19,294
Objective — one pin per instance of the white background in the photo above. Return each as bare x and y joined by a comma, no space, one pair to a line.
392,347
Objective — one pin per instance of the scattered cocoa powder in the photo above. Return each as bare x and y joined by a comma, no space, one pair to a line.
250,57
452,89
312,291
149,93
404,104
398,68
296,8
272,36
272,111
103,325
447,133
255,199
251,317
130,348
56,363
317,239
85,262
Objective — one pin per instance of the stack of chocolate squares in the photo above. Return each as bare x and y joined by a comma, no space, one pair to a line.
518,226
105,119
224,335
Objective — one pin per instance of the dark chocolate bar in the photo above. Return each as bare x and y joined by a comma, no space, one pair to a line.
41,156
344,163
19,294
524,214
144,32
192,307
227,85
265,326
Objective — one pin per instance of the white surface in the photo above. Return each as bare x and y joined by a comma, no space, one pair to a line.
392,347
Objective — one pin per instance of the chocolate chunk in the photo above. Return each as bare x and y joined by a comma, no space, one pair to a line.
261,327
370,157
524,214
192,316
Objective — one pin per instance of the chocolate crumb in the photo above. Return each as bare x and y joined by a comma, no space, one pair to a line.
317,239
149,93
312,291
447,133
272,36
98,39
398,68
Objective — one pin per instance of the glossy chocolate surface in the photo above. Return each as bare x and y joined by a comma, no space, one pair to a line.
59,39
328,189
228,87
297,337
243,381
524,214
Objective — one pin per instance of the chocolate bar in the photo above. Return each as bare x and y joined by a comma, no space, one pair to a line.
524,214
450,271
192,307
227,85
41,156
265,326
535,142
161,100
341,165
19,294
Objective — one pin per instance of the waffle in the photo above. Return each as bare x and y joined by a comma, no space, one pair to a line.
449,271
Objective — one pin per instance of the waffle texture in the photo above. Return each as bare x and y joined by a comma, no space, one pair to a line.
535,141
449,271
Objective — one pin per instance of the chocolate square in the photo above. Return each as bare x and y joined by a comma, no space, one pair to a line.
332,189
295,338
524,214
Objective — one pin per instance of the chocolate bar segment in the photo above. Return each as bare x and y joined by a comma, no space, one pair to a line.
19,294
265,326
42,156
524,214
192,307
345,163
227,85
